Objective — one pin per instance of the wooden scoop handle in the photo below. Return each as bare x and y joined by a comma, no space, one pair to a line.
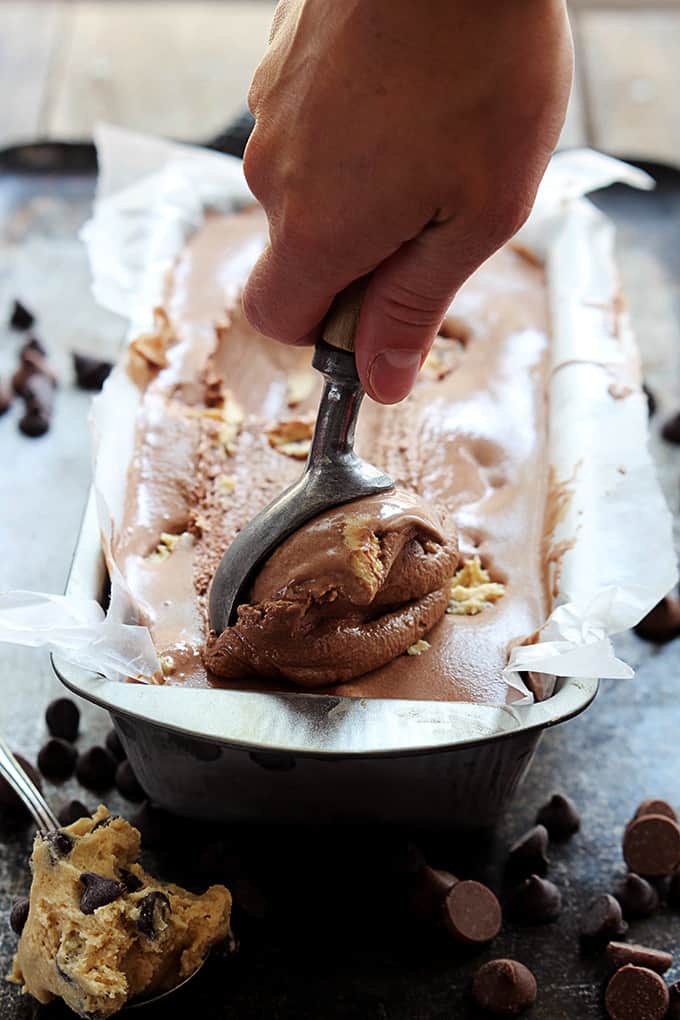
340,323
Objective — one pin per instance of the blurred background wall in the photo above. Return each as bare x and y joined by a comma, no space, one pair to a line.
182,67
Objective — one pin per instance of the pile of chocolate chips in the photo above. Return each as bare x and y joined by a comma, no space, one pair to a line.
34,381
97,768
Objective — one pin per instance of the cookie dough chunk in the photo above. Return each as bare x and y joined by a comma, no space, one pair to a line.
100,930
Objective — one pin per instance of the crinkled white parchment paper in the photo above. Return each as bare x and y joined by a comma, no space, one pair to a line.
153,194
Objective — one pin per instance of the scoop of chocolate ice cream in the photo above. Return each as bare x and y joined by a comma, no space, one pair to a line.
345,594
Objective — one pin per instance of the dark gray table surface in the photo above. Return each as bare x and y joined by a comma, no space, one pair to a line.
336,941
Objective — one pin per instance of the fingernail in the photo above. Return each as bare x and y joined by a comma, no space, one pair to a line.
393,373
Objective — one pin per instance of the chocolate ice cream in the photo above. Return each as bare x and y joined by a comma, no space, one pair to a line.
347,593
224,426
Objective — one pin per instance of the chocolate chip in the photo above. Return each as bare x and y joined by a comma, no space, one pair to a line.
153,914
671,429
32,364
674,1004
662,624
9,800
636,993
99,891
72,811
63,718
34,424
21,318
127,783
471,913
651,845
91,373
535,901
96,769
103,823
655,807
130,880
560,817
5,398
33,344
651,400
621,953
19,914
114,745
529,854
504,987
57,759
602,921
37,389
637,897
426,892
59,844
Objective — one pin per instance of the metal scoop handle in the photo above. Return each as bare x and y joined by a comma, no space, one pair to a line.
333,474
25,788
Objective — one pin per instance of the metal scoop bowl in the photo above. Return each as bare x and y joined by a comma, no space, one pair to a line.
47,822
333,474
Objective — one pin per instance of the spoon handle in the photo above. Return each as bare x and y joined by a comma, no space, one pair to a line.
25,788
340,323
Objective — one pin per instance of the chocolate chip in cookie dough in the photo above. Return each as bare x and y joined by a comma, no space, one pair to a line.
621,953
504,987
153,914
529,854
637,896
651,845
602,921
96,769
72,811
59,844
114,745
472,913
560,817
535,901
91,373
127,783
130,880
63,718
99,891
57,759
662,623
19,914
9,799
21,318
636,993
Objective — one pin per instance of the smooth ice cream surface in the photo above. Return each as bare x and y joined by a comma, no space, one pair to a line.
100,930
224,426
347,593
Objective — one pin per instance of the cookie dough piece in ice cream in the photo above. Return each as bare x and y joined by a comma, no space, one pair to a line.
100,930
345,594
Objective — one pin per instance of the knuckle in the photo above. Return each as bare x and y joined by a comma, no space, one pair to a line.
403,304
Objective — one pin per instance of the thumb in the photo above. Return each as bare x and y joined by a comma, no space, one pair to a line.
404,305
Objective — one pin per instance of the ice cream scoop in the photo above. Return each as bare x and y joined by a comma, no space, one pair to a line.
334,474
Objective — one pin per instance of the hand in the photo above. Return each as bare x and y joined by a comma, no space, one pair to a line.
401,138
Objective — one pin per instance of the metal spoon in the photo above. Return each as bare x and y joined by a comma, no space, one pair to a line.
47,821
333,474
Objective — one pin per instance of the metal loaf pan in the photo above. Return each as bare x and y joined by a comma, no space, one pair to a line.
230,755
